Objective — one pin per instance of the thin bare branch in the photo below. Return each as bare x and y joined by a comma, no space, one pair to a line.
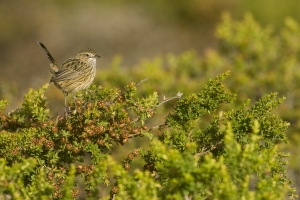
142,81
150,129
178,96
158,126
134,135
207,150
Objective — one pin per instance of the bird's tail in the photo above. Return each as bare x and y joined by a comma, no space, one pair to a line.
53,66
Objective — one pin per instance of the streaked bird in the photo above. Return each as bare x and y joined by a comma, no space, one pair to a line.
74,74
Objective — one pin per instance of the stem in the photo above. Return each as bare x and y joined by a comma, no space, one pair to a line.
142,81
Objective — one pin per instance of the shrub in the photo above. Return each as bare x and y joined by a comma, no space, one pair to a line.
233,156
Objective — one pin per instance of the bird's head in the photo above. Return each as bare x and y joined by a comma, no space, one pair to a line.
88,56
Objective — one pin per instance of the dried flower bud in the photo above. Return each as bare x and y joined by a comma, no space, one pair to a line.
90,105
122,125
100,104
75,192
78,102
152,113
79,109
84,135
57,187
76,150
69,127
3,118
135,131
15,151
112,134
124,134
153,174
90,122
127,166
125,140
43,125
90,132
85,169
54,129
50,175
61,181
69,147
60,120
100,141
42,140
64,140
79,168
130,156
49,144
34,140
136,152
115,189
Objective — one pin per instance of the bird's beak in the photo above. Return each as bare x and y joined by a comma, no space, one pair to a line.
96,56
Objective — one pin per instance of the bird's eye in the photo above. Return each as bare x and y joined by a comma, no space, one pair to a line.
87,55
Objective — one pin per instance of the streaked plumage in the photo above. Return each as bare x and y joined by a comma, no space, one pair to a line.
74,74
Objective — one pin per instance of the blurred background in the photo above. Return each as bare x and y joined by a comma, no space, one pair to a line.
135,29
132,30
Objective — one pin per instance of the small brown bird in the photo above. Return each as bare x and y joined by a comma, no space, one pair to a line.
74,74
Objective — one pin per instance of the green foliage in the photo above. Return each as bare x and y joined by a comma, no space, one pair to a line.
12,181
212,144
235,156
260,59
208,100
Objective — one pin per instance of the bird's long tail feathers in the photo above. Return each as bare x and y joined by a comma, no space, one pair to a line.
53,66
47,52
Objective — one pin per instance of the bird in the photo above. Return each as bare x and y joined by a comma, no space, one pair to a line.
75,74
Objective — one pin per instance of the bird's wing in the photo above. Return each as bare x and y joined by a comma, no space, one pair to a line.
71,69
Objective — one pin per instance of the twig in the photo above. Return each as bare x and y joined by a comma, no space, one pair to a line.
134,135
142,81
158,126
150,129
178,96
206,151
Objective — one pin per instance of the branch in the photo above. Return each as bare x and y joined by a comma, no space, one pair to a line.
142,81
158,126
206,151
150,129
178,96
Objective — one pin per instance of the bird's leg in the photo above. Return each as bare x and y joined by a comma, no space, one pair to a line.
74,99
57,116
66,112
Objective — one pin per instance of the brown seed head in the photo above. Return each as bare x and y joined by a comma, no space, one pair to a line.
127,166
130,156
115,189
49,144
136,152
